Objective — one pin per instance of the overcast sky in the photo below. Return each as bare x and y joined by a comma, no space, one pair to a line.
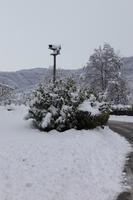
28,26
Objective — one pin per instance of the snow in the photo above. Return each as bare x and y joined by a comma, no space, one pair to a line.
121,118
46,120
73,165
121,107
6,86
86,107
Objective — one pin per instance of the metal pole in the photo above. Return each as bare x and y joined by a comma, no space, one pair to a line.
54,69
56,51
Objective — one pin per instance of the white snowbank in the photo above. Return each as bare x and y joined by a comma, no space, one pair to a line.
121,118
73,165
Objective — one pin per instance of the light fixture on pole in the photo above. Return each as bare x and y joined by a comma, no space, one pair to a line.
56,51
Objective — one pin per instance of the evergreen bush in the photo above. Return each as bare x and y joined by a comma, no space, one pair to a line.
58,107
92,112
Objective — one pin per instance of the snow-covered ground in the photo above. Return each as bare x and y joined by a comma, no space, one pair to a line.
73,165
122,118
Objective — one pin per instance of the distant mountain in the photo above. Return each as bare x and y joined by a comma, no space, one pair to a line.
128,72
23,78
128,68
26,79
128,64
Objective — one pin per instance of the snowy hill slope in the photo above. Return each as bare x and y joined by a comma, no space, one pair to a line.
128,66
128,72
25,79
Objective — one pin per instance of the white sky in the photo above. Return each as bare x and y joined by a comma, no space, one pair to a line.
28,26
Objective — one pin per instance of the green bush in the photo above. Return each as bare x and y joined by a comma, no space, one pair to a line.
87,120
59,107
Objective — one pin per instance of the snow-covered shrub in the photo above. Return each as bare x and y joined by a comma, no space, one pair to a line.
52,107
92,112
62,106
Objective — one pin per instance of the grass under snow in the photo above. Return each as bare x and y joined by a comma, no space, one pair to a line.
73,165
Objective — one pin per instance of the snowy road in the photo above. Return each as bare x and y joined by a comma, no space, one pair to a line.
126,129
73,165
123,128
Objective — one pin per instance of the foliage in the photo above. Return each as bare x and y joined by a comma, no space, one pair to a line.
57,107
95,113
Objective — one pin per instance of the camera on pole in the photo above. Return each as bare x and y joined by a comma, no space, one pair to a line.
56,51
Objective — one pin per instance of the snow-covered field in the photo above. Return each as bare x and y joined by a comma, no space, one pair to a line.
73,165
122,118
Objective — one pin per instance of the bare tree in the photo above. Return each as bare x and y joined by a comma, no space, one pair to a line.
6,94
104,65
103,73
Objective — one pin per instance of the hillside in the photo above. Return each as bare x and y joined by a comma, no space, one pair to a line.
128,72
128,68
22,79
26,79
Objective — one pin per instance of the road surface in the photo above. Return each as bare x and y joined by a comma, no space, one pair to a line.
125,129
